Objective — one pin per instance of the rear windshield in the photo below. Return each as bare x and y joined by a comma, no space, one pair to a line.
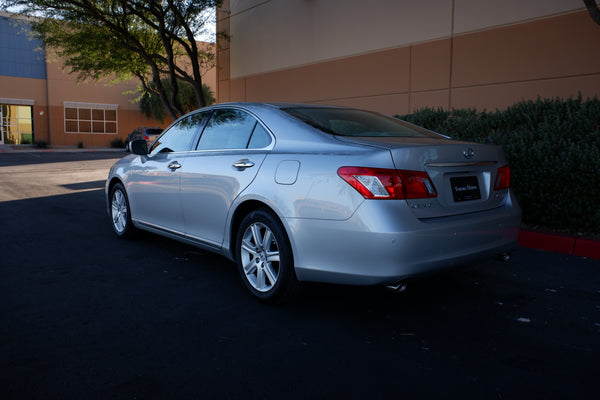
350,122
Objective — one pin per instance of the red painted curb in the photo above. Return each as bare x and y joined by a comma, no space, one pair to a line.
560,244
587,248
544,241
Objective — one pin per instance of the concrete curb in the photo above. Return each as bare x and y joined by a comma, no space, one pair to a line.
566,244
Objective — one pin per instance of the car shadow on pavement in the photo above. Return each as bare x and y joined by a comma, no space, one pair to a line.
16,158
85,185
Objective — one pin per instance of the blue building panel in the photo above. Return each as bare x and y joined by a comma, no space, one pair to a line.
20,56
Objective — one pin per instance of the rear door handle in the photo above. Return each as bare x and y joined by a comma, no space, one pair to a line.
174,165
243,164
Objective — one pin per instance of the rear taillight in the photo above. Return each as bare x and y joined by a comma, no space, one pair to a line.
380,183
146,138
502,178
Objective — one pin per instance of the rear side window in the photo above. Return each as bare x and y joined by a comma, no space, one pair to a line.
179,136
350,122
233,129
260,138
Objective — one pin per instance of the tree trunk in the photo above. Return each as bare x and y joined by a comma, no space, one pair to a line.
593,9
162,94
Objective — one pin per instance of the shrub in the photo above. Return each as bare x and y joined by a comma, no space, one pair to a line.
553,148
117,143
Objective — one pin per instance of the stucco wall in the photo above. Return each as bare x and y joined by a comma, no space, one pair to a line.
399,56
63,87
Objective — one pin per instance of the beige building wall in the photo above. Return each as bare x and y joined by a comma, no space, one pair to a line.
64,87
398,56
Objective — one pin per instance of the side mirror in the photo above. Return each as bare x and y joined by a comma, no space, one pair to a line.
139,147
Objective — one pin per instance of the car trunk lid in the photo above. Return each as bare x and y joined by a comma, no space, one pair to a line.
463,174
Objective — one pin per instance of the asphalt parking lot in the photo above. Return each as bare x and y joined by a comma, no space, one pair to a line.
86,315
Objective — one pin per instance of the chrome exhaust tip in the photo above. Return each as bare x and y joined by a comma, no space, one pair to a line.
398,288
505,257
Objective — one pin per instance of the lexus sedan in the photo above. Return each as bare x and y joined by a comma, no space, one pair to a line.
297,192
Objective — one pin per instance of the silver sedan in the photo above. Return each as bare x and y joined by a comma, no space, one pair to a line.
297,192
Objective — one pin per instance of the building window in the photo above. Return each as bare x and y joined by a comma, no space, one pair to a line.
90,118
16,124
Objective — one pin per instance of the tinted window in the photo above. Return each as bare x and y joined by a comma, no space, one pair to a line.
232,129
260,138
179,136
347,122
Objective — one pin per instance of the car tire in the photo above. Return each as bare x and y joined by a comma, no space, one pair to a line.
264,258
120,212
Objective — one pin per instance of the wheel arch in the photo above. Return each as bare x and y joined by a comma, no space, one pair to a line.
114,180
111,184
241,211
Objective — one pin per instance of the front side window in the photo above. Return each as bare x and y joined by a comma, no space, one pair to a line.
178,137
233,129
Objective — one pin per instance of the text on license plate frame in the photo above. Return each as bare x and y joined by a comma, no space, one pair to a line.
465,188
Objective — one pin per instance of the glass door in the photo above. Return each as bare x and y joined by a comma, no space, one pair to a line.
1,126
17,124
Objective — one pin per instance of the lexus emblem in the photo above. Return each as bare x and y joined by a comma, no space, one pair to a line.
468,152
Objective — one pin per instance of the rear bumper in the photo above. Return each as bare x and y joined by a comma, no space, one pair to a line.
384,243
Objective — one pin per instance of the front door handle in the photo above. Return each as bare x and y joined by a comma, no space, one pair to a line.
174,165
243,164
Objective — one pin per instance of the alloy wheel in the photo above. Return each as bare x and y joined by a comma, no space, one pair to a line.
119,211
260,257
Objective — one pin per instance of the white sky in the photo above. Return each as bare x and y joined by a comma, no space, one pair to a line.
210,34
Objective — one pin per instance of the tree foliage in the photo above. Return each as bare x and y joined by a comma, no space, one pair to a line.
154,41
152,107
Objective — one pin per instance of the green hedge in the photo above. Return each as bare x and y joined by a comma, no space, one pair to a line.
553,148
117,143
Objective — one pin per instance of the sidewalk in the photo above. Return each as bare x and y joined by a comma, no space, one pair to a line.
10,148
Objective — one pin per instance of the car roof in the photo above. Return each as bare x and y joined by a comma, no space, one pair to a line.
277,105
277,120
